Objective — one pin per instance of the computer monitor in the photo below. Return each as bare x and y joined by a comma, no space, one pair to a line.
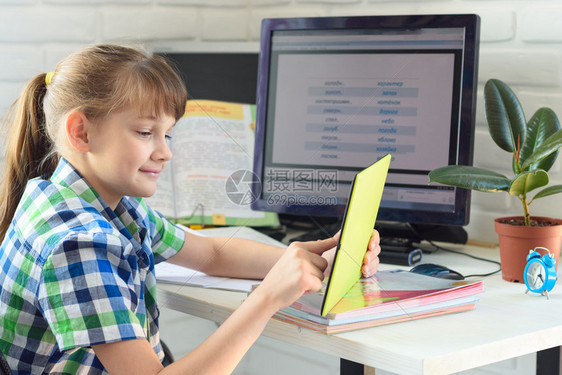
336,94
216,71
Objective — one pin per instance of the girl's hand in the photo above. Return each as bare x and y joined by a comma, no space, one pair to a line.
299,270
304,265
370,261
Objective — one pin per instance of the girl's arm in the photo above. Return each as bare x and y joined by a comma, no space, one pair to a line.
237,257
299,270
227,256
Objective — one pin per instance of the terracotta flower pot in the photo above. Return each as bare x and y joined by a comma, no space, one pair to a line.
517,240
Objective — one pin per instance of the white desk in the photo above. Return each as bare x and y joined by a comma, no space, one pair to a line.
506,323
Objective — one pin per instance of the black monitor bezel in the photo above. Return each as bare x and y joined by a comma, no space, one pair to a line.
471,25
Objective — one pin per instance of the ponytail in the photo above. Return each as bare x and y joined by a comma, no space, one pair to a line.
29,151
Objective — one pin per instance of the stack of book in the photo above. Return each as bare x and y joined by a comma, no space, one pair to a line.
387,297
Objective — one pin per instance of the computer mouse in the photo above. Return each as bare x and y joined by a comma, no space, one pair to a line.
437,270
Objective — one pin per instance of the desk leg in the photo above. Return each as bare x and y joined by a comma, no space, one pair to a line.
548,362
353,368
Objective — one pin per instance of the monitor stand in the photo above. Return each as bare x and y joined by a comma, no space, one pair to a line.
419,232
400,242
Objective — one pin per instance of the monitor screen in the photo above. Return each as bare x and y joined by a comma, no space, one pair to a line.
227,76
335,94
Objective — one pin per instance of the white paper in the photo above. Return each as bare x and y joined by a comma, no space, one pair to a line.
172,273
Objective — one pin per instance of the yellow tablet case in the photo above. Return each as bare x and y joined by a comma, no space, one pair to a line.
358,223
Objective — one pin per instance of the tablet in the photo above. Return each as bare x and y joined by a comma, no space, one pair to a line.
357,228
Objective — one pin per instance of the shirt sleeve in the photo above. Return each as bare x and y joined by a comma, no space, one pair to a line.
167,238
88,293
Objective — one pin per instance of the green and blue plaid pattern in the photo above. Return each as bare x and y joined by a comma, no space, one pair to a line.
75,273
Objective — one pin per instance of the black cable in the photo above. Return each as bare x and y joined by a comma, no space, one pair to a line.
439,247
470,256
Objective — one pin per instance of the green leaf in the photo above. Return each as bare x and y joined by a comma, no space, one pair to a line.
504,114
551,190
542,125
528,181
469,178
550,145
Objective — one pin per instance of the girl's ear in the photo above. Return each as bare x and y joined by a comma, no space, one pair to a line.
77,131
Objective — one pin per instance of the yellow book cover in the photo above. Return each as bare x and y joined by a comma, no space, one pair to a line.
358,223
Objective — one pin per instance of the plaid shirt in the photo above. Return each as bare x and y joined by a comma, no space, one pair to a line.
75,273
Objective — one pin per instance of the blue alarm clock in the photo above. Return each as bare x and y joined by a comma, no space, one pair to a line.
540,272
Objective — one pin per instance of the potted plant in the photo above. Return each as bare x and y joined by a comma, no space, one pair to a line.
534,145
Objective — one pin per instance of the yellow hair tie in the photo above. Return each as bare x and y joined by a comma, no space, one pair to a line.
49,78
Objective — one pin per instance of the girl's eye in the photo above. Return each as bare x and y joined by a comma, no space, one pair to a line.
144,133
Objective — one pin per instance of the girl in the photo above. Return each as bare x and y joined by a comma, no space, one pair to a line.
77,261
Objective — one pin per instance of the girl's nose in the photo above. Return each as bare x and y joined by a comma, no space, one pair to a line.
163,151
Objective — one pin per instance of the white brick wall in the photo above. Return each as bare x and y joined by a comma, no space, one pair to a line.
521,44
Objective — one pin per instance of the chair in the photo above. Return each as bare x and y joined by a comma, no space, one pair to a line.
168,357
4,367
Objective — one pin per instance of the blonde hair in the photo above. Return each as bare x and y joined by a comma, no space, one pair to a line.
97,81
